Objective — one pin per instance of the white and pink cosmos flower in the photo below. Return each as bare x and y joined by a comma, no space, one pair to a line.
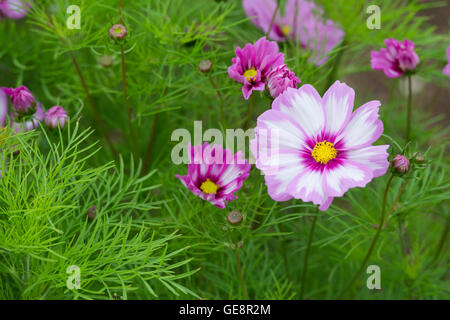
14,9
323,148
446,70
215,174
3,108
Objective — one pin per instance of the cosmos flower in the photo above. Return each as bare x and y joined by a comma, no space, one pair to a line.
118,31
14,9
253,63
3,108
215,174
301,22
397,58
56,116
280,79
323,148
446,70
21,98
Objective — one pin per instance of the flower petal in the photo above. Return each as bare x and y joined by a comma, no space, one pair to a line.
338,103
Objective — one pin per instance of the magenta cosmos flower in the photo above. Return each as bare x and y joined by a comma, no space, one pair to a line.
56,116
280,79
215,174
446,70
27,124
308,27
253,63
397,58
118,31
323,149
21,98
14,9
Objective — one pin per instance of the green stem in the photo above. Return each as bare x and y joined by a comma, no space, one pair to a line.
408,112
308,250
239,268
374,240
249,114
133,139
219,96
273,18
98,118
148,153
442,241
336,65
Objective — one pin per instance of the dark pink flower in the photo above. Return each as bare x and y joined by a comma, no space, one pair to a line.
446,70
56,116
21,98
14,9
280,79
118,31
308,27
215,174
397,58
253,63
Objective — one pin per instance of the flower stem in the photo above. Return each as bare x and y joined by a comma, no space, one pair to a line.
239,268
392,207
308,250
219,96
133,140
374,240
336,65
249,115
408,112
273,19
98,118
442,241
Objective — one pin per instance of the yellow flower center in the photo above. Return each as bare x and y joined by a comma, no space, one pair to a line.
118,30
286,30
323,152
209,187
249,74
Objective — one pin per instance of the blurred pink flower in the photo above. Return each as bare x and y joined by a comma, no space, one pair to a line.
307,27
118,31
253,63
322,147
30,124
215,174
3,108
280,79
21,98
446,70
397,58
400,163
14,9
56,116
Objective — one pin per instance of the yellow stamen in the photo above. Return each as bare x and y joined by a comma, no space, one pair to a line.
209,187
249,74
118,30
286,30
323,152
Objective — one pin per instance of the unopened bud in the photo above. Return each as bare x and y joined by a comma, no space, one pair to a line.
234,217
418,157
205,66
106,61
400,163
92,212
56,117
118,32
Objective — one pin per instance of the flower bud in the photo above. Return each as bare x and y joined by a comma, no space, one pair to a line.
419,158
280,79
400,163
92,213
22,99
56,116
234,217
118,32
106,61
205,66
19,125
